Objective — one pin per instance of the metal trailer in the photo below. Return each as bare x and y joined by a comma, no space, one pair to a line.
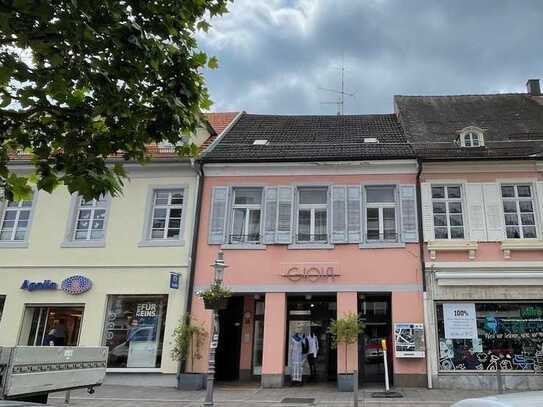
30,373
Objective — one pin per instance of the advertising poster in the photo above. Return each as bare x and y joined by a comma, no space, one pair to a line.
409,340
142,336
460,320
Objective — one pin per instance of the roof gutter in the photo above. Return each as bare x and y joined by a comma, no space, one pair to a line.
199,169
420,227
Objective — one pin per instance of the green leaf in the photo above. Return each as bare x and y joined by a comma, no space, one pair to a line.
213,63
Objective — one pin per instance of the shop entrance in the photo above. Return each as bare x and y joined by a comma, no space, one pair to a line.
375,312
307,315
51,325
229,347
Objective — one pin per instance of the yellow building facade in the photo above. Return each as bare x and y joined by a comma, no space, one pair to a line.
112,272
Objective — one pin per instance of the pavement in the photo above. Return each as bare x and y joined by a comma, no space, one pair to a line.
249,395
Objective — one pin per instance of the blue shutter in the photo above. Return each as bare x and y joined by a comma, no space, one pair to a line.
217,224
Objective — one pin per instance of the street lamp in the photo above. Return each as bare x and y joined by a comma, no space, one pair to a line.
218,269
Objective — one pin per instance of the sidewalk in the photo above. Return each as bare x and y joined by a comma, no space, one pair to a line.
245,396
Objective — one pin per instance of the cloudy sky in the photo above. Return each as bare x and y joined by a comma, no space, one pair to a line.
275,54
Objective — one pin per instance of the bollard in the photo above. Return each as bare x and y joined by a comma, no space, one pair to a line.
355,388
499,378
67,397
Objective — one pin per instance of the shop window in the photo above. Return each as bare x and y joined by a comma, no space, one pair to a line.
246,215
134,330
508,336
518,210
312,215
381,214
15,221
448,212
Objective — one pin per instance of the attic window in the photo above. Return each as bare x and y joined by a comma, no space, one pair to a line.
471,137
260,143
370,140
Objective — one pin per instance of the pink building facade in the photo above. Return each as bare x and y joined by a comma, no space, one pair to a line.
308,242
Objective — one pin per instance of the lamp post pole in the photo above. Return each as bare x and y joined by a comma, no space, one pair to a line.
218,268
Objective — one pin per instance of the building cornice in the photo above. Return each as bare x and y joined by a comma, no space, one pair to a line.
448,167
312,168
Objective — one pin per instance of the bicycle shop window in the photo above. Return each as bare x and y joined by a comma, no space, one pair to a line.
488,336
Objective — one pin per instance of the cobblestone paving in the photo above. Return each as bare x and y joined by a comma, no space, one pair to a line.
245,396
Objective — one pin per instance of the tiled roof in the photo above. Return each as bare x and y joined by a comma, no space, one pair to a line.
311,138
512,125
219,122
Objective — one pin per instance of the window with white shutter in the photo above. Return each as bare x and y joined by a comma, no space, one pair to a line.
354,217
284,214
339,214
381,215
246,216
448,213
408,212
217,225
519,211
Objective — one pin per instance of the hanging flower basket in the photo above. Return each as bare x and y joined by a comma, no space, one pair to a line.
216,304
215,297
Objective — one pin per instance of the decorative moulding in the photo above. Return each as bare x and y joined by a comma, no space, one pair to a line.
526,245
469,246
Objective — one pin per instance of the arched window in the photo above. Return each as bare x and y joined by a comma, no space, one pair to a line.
471,137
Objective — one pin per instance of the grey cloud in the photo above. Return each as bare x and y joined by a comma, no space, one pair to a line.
275,54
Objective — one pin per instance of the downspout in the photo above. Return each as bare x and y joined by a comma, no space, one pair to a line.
198,167
423,271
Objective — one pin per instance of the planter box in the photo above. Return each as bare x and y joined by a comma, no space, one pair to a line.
216,305
345,382
191,381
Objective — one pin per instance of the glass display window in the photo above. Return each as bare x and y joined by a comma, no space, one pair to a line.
134,330
500,335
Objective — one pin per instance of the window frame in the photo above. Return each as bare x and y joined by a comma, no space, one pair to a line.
447,212
69,235
380,206
472,133
7,244
312,209
518,213
146,240
248,208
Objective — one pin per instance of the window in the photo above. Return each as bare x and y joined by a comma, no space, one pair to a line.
448,212
381,213
312,215
90,219
2,300
504,335
518,209
471,137
246,215
134,330
167,214
15,221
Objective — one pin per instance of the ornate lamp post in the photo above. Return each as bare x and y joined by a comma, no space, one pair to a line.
218,268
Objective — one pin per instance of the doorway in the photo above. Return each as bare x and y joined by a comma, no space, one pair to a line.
229,347
375,312
312,314
51,325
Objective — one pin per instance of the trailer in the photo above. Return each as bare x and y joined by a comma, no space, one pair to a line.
30,373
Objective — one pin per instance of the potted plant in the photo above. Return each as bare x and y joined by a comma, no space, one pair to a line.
216,296
188,339
346,331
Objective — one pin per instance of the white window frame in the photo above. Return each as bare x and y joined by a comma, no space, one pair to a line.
249,208
517,201
146,240
95,205
75,207
471,134
380,206
4,208
447,212
312,208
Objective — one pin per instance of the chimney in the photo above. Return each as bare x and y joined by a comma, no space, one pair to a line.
533,88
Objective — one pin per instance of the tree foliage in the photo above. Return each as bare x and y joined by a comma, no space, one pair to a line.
84,80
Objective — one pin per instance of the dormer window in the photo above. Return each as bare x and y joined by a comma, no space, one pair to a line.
471,137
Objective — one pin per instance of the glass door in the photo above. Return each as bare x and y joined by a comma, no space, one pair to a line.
258,338
51,326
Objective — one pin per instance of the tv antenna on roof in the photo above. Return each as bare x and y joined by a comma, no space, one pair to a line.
340,101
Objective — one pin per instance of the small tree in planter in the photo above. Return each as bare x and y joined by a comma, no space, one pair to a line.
345,331
188,338
216,296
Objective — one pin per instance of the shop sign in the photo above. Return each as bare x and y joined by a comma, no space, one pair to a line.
460,320
72,285
310,272
409,340
38,285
